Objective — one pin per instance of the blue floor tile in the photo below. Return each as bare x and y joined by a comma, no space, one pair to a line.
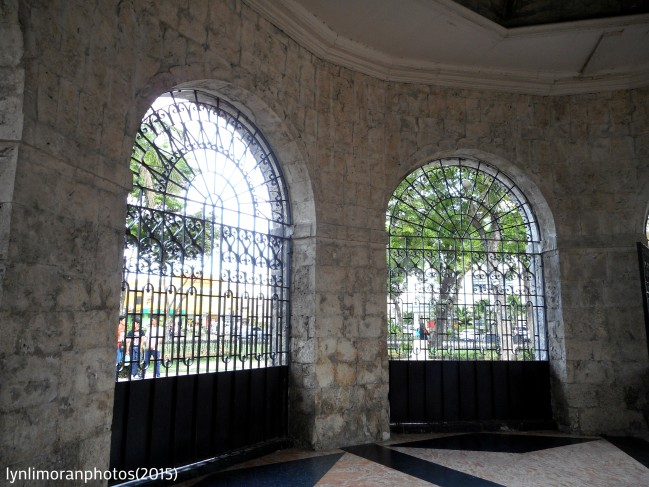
298,473
416,467
492,442
636,448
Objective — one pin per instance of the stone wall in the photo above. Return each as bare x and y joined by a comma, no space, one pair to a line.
344,141
11,119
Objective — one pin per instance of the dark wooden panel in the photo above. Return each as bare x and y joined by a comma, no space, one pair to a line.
467,387
224,428
483,391
273,400
516,385
205,384
416,390
450,391
537,390
270,396
242,409
500,388
399,392
485,396
434,409
162,422
177,421
280,426
184,420
137,424
256,419
118,439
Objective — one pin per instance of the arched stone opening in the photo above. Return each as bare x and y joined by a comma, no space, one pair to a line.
285,144
547,250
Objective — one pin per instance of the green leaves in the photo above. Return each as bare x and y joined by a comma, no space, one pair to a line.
456,213
448,221
159,223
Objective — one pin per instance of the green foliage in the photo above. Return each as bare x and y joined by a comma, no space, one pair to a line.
463,316
446,220
393,328
158,223
451,213
400,345
482,314
527,354
515,309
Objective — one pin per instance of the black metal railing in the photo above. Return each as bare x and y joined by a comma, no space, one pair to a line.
205,283
643,260
465,267
191,346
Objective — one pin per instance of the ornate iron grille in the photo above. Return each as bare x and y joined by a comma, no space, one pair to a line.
465,270
205,280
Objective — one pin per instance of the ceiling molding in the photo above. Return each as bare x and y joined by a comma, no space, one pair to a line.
314,35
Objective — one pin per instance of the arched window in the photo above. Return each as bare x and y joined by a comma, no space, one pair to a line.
205,278
465,270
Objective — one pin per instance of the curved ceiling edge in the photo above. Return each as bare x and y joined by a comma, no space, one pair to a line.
314,35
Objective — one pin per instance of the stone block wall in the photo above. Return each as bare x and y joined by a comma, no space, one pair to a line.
344,141
11,119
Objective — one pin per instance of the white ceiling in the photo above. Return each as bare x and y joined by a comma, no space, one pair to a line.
441,42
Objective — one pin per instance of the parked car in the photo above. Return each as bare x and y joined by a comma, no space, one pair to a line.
468,334
521,339
251,331
491,341
465,340
521,330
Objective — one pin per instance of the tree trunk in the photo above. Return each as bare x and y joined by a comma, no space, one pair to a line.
446,302
398,311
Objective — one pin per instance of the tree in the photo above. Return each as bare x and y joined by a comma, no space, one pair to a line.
158,224
445,220
463,316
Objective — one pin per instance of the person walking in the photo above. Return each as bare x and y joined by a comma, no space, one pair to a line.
121,336
156,339
135,339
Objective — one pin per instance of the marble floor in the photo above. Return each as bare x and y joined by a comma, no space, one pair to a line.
449,460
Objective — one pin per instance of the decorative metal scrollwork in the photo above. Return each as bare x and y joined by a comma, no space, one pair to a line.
206,243
465,275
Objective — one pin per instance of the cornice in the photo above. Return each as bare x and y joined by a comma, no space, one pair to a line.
315,36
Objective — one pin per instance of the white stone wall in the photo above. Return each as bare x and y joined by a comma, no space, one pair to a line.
344,141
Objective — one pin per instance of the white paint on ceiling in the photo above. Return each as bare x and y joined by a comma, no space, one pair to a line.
441,42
